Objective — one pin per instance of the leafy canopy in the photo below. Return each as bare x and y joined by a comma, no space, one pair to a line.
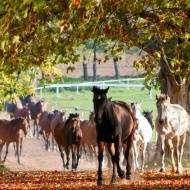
37,35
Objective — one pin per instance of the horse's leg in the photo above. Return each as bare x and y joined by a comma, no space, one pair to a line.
14,148
62,154
171,148
162,140
135,149
67,150
73,150
181,144
21,145
127,156
143,147
1,147
111,150
6,152
101,146
78,156
109,164
117,146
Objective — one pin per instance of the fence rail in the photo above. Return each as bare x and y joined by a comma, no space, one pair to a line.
101,84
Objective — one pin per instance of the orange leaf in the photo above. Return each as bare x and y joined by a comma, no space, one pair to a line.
77,3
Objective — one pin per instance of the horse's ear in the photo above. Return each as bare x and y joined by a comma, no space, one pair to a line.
106,90
157,96
95,89
131,102
109,99
151,111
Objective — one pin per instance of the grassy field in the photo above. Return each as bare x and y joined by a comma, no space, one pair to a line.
69,99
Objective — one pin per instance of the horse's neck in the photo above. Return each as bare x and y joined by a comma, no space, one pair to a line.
138,114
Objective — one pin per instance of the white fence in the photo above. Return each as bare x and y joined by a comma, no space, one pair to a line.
101,84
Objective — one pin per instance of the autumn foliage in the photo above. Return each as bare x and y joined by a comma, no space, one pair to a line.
87,180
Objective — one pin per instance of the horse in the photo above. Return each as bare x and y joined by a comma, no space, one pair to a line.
23,101
68,136
36,109
171,125
12,131
149,117
115,123
143,134
25,113
88,128
45,124
57,117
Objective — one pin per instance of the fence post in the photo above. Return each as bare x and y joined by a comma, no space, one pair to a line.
57,91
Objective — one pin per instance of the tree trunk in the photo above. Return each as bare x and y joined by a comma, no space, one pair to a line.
85,70
94,64
116,69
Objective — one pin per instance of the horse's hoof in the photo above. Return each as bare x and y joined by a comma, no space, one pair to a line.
99,183
128,177
122,174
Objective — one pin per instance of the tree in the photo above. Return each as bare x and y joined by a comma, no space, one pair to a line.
38,32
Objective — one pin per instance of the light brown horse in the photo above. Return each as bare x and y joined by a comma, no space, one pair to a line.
68,136
88,128
25,113
12,131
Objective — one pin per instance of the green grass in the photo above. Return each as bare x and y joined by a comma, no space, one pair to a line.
68,97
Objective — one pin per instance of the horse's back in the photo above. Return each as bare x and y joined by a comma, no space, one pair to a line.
125,117
59,132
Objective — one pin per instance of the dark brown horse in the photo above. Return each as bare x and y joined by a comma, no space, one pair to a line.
36,109
88,128
12,131
25,113
115,124
68,136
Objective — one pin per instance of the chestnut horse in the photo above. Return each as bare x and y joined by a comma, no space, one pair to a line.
12,131
68,136
88,128
57,117
115,124
25,113
46,119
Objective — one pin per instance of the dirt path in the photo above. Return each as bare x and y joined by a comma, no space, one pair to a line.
35,158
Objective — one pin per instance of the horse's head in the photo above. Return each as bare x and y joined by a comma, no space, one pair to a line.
136,107
100,101
162,104
149,117
91,116
22,124
75,126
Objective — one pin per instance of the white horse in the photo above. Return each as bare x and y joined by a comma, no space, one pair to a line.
171,125
143,134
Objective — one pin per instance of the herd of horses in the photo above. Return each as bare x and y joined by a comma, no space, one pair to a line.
113,127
